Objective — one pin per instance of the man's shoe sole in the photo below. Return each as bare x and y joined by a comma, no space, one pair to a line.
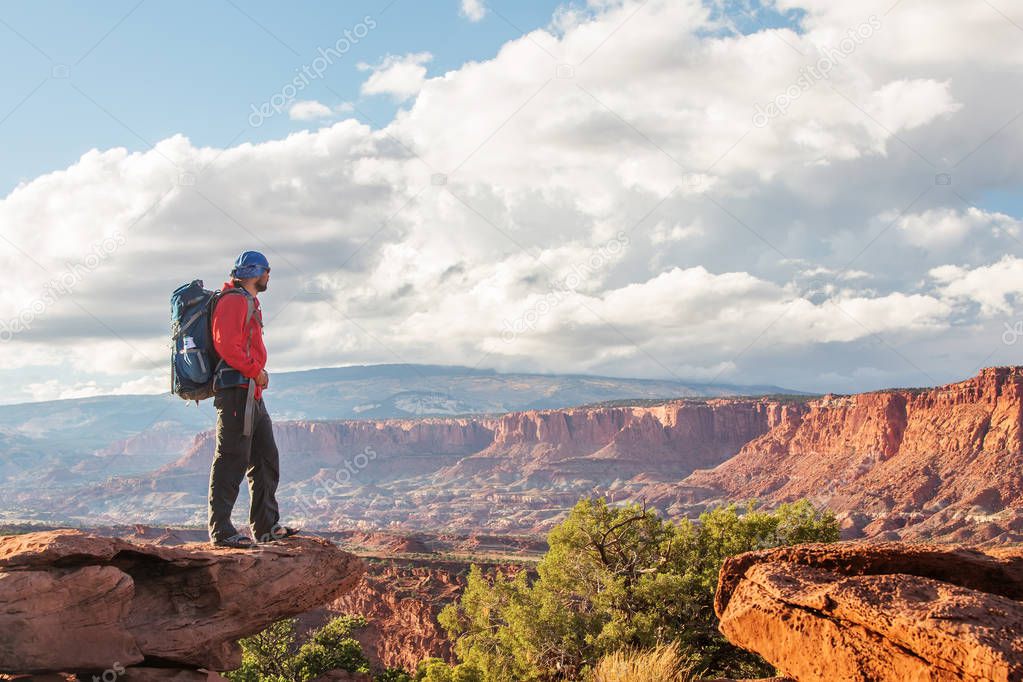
233,545
270,537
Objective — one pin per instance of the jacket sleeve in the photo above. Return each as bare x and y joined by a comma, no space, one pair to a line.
229,337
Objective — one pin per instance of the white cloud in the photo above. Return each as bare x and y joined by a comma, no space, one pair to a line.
821,271
61,389
400,77
907,104
663,232
758,271
996,287
308,110
941,227
473,10
54,389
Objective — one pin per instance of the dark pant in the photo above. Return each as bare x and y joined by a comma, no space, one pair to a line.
253,456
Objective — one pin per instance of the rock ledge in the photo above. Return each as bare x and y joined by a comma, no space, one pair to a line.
71,601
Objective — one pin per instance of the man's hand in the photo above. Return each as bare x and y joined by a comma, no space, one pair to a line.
263,379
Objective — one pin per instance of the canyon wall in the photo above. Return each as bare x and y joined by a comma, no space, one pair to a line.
331,442
906,463
599,445
942,463
675,437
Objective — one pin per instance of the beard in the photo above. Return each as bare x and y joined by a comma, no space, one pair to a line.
261,285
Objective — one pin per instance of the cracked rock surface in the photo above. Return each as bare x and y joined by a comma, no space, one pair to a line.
884,611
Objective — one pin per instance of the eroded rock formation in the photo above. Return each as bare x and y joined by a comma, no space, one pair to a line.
401,599
878,612
71,602
602,444
910,464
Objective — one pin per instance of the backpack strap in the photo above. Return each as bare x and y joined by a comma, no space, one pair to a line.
250,310
250,393
188,323
250,408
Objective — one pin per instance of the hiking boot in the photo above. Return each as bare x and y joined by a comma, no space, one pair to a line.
278,533
236,541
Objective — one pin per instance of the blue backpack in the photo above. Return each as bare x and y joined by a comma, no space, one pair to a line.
193,358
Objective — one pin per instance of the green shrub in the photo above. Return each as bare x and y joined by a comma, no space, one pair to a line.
274,656
619,578
394,675
436,670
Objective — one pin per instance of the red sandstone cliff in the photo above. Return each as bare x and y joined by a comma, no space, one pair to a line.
603,443
454,473
312,445
401,599
939,457
678,435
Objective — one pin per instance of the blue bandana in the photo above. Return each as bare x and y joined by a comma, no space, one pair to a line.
250,264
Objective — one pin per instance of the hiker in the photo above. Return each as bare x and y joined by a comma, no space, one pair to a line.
245,439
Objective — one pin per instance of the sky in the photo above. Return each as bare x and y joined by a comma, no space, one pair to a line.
820,195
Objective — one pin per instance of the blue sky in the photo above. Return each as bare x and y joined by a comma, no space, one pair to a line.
197,67
147,70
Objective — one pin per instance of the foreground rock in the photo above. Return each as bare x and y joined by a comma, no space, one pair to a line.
70,601
884,611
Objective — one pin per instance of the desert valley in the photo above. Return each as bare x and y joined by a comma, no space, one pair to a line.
420,499
938,463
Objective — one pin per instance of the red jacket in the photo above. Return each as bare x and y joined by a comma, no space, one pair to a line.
229,337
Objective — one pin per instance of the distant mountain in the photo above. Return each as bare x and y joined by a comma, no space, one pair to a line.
86,439
83,440
403,391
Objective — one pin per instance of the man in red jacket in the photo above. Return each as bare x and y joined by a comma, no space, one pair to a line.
245,439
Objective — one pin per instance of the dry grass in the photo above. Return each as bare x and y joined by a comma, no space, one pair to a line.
661,664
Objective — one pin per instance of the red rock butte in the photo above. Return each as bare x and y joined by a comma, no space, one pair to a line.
939,463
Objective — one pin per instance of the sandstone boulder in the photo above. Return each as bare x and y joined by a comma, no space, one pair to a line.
885,611
70,601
